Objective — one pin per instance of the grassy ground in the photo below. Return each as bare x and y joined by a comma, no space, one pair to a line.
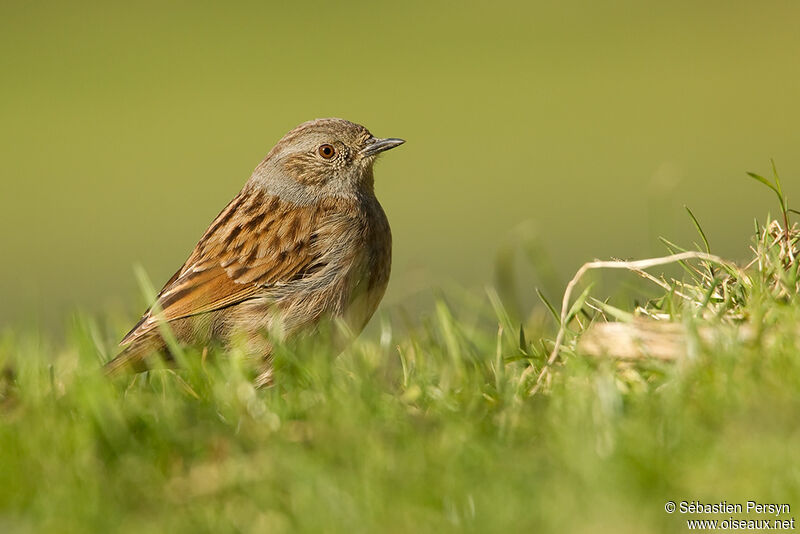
433,429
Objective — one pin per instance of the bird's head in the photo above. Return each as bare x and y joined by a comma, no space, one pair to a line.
322,158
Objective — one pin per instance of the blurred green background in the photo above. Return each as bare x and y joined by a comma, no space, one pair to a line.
126,127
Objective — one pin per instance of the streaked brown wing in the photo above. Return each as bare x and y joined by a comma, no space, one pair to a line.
256,242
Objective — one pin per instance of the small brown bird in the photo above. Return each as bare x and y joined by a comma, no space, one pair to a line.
304,241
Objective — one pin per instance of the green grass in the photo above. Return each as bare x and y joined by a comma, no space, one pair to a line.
426,430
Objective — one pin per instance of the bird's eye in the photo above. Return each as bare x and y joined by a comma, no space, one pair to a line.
327,151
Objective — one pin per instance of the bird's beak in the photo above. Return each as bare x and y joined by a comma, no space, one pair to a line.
376,146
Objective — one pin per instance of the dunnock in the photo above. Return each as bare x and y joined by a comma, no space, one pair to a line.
304,241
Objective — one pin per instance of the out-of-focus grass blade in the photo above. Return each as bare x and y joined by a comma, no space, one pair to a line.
448,330
502,314
616,313
499,363
149,291
506,280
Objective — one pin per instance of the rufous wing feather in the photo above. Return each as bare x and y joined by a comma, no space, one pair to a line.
255,243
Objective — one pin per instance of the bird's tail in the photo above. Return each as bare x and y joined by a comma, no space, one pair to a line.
132,357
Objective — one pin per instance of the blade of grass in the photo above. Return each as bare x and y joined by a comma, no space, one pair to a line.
699,228
548,305
149,291
616,313
577,305
764,181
